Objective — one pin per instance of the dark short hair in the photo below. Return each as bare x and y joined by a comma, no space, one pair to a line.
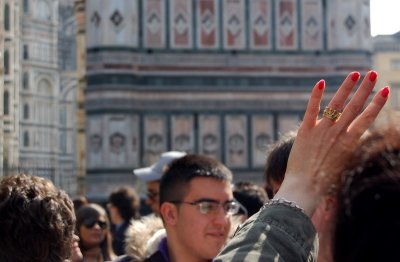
183,170
275,166
37,220
126,200
368,208
249,195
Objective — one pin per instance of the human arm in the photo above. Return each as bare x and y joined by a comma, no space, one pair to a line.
320,148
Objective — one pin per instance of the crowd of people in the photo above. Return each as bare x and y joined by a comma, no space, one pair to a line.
331,193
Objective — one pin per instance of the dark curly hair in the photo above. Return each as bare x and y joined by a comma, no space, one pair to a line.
368,213
37,220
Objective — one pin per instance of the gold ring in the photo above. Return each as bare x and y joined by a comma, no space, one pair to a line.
332,114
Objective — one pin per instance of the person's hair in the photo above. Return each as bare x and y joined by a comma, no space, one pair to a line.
368,210
250,196
37,220
79,202
126,200
94,212
275,165
181,171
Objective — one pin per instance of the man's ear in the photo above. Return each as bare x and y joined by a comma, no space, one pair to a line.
169,213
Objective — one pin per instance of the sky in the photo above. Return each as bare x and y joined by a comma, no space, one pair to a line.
385,17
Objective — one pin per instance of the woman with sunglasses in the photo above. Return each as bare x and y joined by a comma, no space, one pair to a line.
92,228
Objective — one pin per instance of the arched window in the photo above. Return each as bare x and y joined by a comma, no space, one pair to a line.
45,108
25,80
44,10
6,62
26,6
6,17
44,87
25,52
26,139
6,103
26,111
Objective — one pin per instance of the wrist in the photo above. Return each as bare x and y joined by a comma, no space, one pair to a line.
300,193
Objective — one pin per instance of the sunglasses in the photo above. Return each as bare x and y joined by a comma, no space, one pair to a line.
90,223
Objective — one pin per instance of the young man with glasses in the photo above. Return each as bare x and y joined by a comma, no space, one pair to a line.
151,176
196,205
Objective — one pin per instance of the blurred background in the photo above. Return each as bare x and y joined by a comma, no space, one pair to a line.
95,88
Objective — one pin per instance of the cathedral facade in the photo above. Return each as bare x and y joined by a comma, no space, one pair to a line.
224,78
39,90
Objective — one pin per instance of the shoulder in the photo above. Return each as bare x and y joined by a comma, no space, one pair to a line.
276,231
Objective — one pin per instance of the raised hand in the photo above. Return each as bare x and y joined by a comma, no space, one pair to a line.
323,145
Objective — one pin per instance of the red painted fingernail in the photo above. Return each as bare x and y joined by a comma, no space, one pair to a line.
372,76
321,84
385,91
355,76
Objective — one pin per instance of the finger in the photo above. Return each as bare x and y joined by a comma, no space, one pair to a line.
356,104
367,117
339,99
313,106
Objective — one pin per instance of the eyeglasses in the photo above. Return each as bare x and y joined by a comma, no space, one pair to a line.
89,223
152,195
212,206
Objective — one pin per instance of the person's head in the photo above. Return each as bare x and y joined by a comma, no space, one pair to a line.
196,204
368,212
251,197
37,220
275,166
79,202
92,227
123,205
152,175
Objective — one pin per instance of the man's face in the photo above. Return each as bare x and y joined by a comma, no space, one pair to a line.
203,235
153,192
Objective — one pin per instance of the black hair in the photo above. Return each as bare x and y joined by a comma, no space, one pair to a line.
183,170
250,195
126,200
275,166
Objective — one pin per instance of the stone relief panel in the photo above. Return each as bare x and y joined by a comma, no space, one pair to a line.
260,23
154,23
234,24
311,25
182,133
180,22
95,142
287,123
134,145
209,136
116,144
236,154
207,16
94,22
155,140
262,136
366,40
121,23
348,24
345,24
286,24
